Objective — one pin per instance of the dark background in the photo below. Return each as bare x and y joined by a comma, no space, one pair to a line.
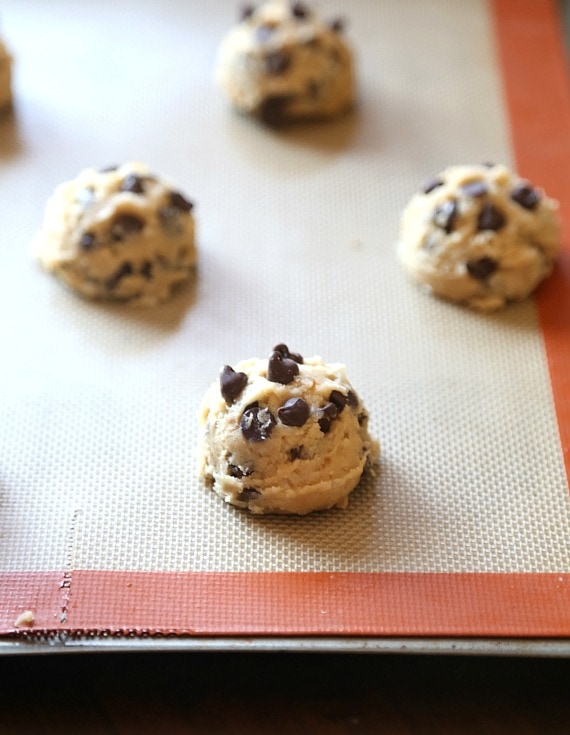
250,693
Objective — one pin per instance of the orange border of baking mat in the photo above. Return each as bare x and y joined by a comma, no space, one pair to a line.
352,603
294,603
537,92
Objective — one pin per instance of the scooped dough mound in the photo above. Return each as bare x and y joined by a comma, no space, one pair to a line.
120,234
284,435
5,77
283,63
480,235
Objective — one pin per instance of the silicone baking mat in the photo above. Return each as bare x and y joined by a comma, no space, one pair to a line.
104,526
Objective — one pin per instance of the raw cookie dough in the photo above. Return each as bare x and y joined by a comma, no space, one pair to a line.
282,63
121,234
480,235
5,77
284,435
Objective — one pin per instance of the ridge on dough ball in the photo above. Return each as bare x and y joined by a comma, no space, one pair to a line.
284,435
480,235
118,234
283,63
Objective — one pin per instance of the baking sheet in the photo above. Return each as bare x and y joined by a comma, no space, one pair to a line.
296,231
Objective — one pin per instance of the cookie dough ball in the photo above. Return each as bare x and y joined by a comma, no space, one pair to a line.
120,234
284,435
5,78
282,63
480,235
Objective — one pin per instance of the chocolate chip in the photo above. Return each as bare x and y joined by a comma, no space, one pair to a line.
281,369
232,383
352,399
294,412
248,493
339,399
276,62
108,169
125,225
488,164
525,195
445,215
474,188
133,183
300,10
431,185
246,11
87,241
257,424
235,471
482,268
284,350
490,218
295,453
327,414
177,201
337,25
146,269
273,110
125,269
362,418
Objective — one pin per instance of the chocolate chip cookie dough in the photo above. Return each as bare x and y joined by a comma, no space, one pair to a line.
480,235
120,234
5,78
283,63
284,435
